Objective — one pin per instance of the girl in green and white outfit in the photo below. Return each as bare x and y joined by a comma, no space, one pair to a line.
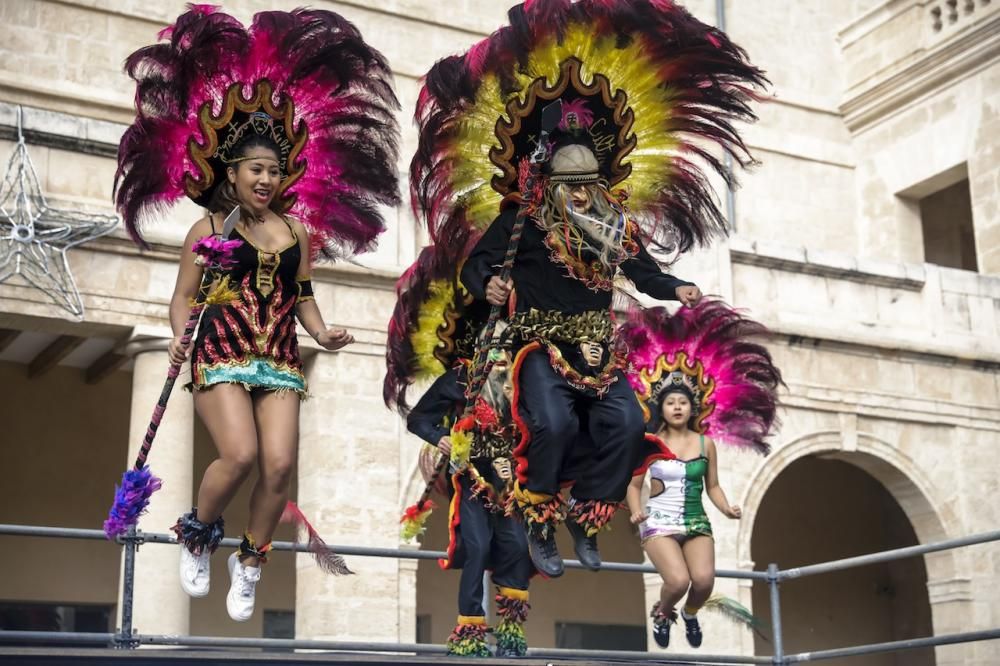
675,531
699,377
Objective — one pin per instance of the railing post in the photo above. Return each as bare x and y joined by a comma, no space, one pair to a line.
124,639
487,597
772,582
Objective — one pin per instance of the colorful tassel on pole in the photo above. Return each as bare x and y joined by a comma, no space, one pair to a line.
131,500
415,518
461,443
138,483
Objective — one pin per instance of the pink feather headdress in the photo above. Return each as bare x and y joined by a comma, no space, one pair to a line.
306,79
710,349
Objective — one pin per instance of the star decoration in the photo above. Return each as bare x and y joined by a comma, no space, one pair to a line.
34,236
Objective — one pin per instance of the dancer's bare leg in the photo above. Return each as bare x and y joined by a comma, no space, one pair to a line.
668,558
227,412
277,418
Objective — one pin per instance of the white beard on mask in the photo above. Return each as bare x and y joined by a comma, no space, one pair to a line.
602,227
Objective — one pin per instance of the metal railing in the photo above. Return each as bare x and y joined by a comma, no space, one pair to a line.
126,638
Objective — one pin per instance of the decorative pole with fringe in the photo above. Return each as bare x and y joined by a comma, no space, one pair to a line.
416,515
138,482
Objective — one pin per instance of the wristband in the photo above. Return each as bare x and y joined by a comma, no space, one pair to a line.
305,290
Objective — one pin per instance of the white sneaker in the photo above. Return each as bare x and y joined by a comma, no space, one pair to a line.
242,589
195,572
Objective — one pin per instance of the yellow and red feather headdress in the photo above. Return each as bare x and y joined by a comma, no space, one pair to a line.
651,87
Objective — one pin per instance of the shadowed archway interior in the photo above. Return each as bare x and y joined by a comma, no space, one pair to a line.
821,509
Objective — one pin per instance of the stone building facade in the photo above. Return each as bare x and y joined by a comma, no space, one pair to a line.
868,240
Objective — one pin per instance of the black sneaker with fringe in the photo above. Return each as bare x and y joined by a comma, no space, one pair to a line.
661,625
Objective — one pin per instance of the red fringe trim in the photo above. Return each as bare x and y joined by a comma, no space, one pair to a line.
454,519
592,515
513,610
465,424
545,516
520,452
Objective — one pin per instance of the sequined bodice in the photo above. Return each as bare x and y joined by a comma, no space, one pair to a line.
256,329
267,270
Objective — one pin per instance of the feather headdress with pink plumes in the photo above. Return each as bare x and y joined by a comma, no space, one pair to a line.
715,353
306,78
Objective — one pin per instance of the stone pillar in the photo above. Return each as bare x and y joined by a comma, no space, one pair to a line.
723,636
348,487
161,606
950,593
407,597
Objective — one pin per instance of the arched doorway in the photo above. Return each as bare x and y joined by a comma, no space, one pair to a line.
821,508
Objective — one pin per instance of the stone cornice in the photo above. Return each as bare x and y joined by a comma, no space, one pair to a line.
949,61
343,273
156,21
63,131
971,351
827,264
67,95
61,142
867,337
117,104
957,588
872,19
866,403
